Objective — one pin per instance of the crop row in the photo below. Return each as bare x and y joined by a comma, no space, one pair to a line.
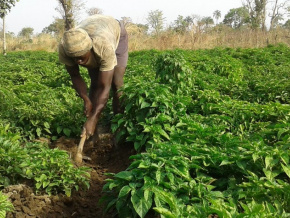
211,127
212,132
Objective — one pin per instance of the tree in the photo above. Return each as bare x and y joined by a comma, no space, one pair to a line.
236,17
180,24
286,25
156,20
207,21
217,15
257,12
189,20
279,9
194,23
69,11
126,20
55,28
142,28
5,7
26,32
8,35
94,10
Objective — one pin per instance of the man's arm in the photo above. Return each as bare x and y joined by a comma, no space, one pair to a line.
99,98
80,86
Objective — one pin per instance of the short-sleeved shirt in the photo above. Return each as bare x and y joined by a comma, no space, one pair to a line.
105,34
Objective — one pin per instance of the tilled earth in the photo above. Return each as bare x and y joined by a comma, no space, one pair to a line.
104,158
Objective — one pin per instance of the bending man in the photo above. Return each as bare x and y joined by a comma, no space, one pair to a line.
100,44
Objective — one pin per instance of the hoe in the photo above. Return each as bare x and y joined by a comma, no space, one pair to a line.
79,155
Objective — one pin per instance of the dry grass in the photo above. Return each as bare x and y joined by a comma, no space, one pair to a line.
191,40
44,42
169,40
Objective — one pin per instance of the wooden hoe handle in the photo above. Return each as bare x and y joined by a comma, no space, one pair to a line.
81,144
79,155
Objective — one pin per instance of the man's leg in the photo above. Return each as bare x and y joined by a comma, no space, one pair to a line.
119,71
117,83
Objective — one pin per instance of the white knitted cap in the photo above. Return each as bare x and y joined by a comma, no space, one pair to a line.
76,42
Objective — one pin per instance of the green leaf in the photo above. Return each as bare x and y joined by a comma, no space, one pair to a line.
281,132
286,169
144,104
120,121
170,176
181,124
112,185
270,174
67,131
137,145
255,157
124,191
6,127
163,133
114,127
158,176
47,130
165,212
38,132
110,204
141,205
143,165
154,104
217,194
241,164
146,129
167,197
148,194
42,177
2,213
46,125
226,162
268,161
38,185
59,129
128,107
126,175
120,134
45,183
29,173
285,158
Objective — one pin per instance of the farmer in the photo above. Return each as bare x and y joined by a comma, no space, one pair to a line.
100,44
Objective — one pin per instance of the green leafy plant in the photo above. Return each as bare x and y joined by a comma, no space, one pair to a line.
212,125
5,205
213,145
51,169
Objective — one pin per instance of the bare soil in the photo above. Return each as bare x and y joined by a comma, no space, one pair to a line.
104,158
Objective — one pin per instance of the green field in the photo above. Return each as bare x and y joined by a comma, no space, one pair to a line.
211,129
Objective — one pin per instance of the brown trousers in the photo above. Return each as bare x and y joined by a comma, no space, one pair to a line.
122,49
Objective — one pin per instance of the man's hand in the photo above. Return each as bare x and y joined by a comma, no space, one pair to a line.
80,86
88,106
89,126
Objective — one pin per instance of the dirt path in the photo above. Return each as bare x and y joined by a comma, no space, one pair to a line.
105,158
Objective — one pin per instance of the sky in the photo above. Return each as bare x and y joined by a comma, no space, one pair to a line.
39,14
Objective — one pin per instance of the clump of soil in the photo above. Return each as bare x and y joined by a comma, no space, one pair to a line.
104,157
